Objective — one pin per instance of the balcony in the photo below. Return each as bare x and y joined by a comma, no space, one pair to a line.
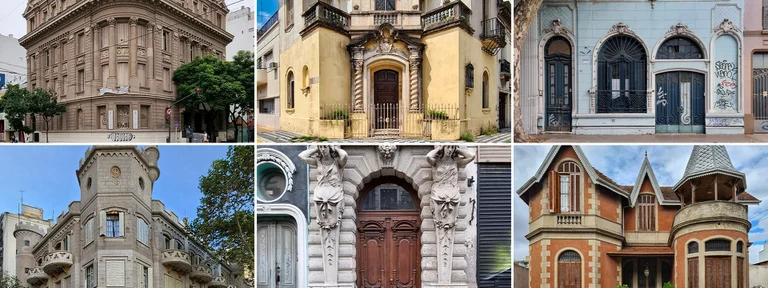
504,67
57,262
201,274
494,36
370,20
710,212
267,25
261,76
449,15
218,282
572,222
36,276
177,260
505,12
324,15
568,220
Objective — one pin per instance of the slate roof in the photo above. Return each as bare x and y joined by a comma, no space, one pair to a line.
707,160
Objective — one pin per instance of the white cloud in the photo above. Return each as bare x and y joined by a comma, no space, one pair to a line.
754,251
622,164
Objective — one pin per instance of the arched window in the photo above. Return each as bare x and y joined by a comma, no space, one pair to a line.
486,101
388,197
291,91
621,76
288,13
679,48
717,245
168,242
646,212
469,76
693,247
569,270
740,247
565,191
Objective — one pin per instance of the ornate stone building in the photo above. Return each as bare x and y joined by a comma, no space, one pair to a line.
587,230
381,216
112,62
385,68
117,235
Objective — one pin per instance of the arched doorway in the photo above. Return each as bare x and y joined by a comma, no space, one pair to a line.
569,270
680,97
557,81
385,99
388,246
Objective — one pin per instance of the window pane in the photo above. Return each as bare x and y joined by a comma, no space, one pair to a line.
564,190
717,245
388,197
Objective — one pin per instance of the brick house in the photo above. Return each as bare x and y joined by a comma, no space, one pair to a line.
599,233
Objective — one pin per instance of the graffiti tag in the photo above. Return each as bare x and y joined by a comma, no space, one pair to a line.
661,97
764,125
725,69
725,91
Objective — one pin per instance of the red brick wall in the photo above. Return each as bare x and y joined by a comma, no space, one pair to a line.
535,270
609,204
680,246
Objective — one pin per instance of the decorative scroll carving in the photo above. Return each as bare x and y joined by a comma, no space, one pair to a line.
557,28
279,159
620,28
328,198
727,27
387,152
680,28
444,201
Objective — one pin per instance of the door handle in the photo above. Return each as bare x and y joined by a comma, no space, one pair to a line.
277,276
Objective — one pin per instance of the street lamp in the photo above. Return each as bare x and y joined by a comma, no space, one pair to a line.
646,272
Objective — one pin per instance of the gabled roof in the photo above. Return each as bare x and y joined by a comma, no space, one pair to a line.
647,171
597,177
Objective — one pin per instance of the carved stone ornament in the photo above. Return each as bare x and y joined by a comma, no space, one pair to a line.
266,155
557,28
328,200
727,27
385,42
111,21
387,152
680,28
445,196
620,28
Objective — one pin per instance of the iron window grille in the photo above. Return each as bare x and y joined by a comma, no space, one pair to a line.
621,76
679,48
570,256
717,245
385,5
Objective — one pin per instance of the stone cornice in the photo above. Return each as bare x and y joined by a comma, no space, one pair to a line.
74,13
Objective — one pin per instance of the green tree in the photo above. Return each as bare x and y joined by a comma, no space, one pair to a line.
9,281
45,104
222,84
15,103
225,219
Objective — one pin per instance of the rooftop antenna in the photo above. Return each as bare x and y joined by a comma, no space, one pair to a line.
22,200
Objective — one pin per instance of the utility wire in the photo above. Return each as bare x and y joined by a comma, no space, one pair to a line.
14,9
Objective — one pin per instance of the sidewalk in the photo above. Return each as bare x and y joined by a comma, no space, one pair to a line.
266,135
655,138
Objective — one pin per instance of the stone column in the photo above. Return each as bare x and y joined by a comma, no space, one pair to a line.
151,44
445,196
133,50
357,58
415,60
328,199
96,54
112,80
91,60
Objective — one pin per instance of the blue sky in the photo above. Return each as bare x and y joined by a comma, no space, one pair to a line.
47,176
622,163
264,10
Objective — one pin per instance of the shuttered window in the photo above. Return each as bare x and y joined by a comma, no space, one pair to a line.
142,231
112,224
88,231
718,271
693,272
144,276
646,212
565,189
494,222
569,270
740,272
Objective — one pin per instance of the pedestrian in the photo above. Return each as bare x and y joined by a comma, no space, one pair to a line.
205,137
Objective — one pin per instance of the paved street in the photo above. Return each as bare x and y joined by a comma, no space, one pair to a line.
280,136
656,138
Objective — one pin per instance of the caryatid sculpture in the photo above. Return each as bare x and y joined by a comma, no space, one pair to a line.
328,199
445,197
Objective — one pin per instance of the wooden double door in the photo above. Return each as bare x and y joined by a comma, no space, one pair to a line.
388,249
386,99
276,266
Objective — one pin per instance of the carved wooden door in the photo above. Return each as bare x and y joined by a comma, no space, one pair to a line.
388,247
569,270
277,254
385,99
718,272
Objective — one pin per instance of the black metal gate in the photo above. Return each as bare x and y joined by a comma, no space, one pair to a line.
760,98
680,102
557,81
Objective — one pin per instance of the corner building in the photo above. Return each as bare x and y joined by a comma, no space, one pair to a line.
635,67
117,235
112,62
586,230
409,69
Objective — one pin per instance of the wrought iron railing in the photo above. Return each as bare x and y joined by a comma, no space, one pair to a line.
387,120
456,12
621,101
492,28
264,28
381,18
760,93
325,13
505,68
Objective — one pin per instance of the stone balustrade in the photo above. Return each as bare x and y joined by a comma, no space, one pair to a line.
57,262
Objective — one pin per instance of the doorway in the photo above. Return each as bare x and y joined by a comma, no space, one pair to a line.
388,246
503,106
277,253
385,101
557,81
680,102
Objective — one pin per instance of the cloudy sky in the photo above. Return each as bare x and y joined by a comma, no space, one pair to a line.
622,163
13,23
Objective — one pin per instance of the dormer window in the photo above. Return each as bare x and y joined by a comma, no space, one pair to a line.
565,191
646,212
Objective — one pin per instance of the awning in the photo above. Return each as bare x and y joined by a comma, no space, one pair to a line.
640,251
